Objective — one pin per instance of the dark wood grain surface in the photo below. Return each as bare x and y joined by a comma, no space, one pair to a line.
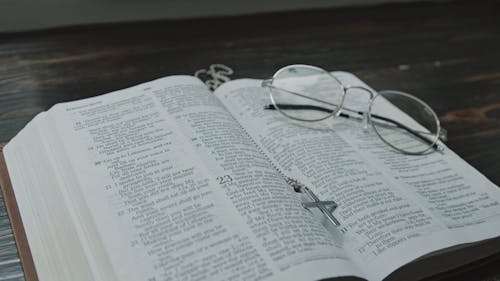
448,54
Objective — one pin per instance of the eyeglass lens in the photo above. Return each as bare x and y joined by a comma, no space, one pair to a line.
306,93
404,122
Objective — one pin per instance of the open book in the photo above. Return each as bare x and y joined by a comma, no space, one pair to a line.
168,181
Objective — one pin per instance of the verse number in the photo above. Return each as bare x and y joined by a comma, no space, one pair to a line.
224,179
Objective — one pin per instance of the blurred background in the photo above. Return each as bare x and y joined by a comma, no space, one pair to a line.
19,15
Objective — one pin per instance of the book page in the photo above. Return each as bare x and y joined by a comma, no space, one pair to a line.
178,190
393,208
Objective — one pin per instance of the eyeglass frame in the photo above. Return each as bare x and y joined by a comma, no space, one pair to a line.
368,117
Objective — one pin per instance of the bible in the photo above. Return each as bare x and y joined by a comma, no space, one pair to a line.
168,181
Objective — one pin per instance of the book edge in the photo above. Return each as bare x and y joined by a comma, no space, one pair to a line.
16,221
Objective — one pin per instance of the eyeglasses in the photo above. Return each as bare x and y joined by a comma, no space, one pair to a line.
309,94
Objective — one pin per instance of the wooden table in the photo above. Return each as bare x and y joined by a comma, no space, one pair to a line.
445,53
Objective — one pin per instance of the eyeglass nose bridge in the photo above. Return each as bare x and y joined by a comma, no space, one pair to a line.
366,117
371,92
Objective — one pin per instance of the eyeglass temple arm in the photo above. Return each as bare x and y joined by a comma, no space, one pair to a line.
313,107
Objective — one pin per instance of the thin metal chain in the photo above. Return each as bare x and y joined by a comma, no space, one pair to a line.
215,75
